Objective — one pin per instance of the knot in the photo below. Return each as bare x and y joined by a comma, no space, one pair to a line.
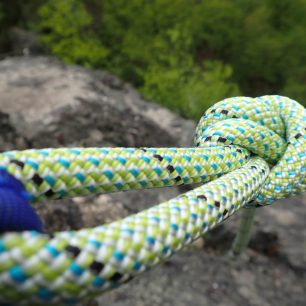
272,127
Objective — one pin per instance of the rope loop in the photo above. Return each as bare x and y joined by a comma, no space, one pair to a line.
247,151
272,127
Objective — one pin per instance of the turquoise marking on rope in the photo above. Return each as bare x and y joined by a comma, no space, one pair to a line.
249,152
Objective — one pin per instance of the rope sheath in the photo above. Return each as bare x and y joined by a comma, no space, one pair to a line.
273,127
69,172
36,268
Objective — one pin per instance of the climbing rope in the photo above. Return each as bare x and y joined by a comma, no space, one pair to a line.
249,152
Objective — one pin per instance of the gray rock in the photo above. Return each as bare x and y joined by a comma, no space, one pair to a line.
9,138
52,105
24,42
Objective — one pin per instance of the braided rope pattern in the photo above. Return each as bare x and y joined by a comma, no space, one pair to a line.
58,173
272,127
63,268
76,264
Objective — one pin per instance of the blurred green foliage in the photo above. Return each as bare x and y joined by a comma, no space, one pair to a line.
183,54
148,43
67,30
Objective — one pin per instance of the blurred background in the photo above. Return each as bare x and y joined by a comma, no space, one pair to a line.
82,73
185,55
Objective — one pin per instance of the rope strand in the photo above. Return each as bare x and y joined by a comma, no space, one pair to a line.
69,172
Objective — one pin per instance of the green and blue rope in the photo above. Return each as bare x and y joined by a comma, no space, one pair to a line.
249,152
69,172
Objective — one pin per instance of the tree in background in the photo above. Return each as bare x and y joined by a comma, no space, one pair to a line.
148,43
185,55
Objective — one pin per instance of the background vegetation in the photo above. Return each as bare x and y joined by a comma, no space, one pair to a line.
183,54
